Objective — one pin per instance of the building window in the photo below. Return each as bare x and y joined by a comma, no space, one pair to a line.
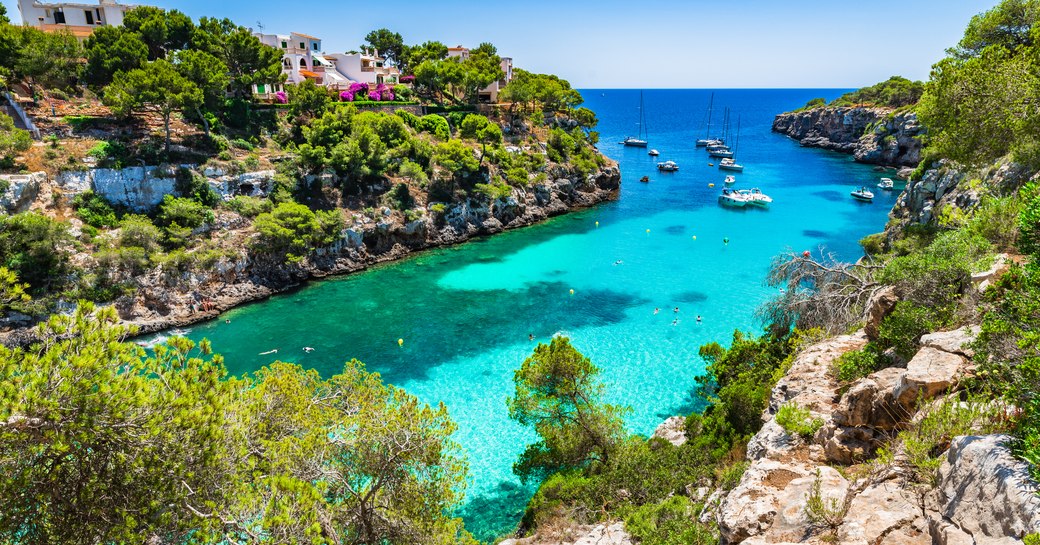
303,45
286,63
285,45
303,64
314,46
97,15
89,15
260,88
59,17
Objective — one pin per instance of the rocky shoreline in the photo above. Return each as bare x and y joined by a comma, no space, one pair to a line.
873,135
164,299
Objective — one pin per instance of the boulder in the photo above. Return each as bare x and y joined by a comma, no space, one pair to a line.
672,430
869,402
929,373
138,188
984,279
751,508
808,382
985,492
955,342
885,512
880,305
19,191
601,534
846,445
790,524
770,441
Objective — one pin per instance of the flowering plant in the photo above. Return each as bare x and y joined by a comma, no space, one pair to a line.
281,97
373,95
346,96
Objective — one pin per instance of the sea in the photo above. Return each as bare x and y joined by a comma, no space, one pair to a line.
625,280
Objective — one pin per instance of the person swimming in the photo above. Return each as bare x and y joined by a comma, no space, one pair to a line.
530,336
618,262
675,321
656,310
698,317
308,349
275,351
227,321
676,310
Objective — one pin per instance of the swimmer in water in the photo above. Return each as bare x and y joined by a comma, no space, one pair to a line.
308,349
275,351
698,317
618,262
530,336
227,321
676,310
675,321
656,310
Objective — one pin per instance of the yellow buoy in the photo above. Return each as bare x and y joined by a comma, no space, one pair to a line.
694,237
572,292
711,185
648,231
400,342
597,224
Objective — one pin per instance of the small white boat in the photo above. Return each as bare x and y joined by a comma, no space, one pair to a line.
730,180
667,166
729,164
717,147
886,184
721,153
705,142
755,197
863,194
634,142
732,198
653,153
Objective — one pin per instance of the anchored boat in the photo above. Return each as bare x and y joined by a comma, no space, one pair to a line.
667,166
886,184
863,194
639,141
732,199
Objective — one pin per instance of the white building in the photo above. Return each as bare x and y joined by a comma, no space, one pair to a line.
79,19
367,68
489,93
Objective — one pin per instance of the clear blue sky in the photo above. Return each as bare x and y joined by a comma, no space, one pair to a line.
613,43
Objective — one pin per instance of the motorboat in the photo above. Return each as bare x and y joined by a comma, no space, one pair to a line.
645,179
863,194
732,198
886,184
730,180
729,164
653,153
667,166
755,197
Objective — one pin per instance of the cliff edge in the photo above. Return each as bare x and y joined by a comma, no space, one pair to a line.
873,135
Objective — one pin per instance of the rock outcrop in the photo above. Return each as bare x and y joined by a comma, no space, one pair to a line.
600,534
984,495
19,191
672,430
874,135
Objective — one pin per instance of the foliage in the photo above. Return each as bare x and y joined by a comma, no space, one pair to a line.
856,364
669,522
94,210
292,230
250,207
798,421
903,328
12,140
307,100
35,248
111,49
47,59
136,231
248,61
544,92
158,88
1008,25
894,92
165,445
939,274
183,212
389,44
558,394
12,292
1029,220
825,512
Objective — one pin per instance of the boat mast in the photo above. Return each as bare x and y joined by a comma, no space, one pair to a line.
711,103
642,119
736,144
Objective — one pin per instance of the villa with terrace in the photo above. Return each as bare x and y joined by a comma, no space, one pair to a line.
80,19
303,59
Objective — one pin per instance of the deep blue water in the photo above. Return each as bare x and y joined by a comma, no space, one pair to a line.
465,312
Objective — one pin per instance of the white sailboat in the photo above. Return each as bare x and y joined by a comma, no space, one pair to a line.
640,140
708,140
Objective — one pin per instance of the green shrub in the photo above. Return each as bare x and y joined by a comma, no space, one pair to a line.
139,231
183,212
12,140
873,244
827,513
797,421
242,144
250,207
35,248
856,364
939,274
1031,539
672,521
400,198
1029,220
903,328
494,191
195,187
94,210
292,230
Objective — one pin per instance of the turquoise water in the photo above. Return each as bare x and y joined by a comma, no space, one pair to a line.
465,312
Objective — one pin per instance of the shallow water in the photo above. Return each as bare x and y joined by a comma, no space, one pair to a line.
465,312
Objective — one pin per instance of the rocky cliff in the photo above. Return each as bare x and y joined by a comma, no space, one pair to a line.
167,297
879,136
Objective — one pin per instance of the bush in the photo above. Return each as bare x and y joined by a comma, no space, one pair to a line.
903,328
94,210
672,521
182,212
823,512
938,275
35,248
249,207
400,198
292,230
798,421
856,364
242,144
1029,220
12,140
139,231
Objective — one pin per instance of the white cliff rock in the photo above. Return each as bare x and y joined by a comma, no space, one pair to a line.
672,430
20,192
600,534
929,373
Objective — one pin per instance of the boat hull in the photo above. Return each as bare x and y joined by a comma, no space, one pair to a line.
635,143
734,168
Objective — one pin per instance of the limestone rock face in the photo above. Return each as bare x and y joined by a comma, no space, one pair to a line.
137,188
751,508
18,191
929,373
672,430
869,402
880,305
600,534
955,342
985,493
771,441
885,512
873,135
808,383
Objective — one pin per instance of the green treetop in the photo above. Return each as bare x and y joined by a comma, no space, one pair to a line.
158,88
557,393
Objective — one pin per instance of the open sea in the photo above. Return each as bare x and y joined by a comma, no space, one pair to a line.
465,312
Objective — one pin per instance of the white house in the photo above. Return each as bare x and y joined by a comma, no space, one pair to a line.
78,18
367,67
301,60
489,93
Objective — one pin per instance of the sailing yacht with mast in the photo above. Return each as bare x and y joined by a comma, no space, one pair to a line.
728,163
708,140
639,141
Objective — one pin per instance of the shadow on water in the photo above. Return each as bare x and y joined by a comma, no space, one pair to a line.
691,296
496,513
